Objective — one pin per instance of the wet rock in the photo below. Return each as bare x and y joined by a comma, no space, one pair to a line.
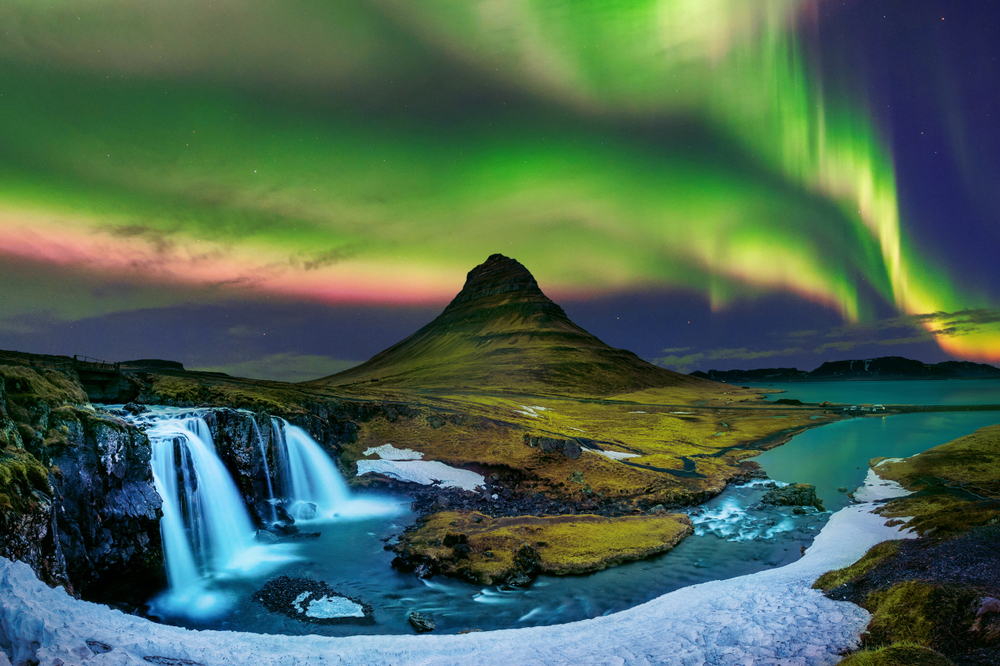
796,494
266,537
421,622
312,601
305,510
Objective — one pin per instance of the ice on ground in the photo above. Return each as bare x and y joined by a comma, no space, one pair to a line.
328,607
876,487
682,412
756,619
577,429
638,412
889,460
615,455
425,472
532,410
390,452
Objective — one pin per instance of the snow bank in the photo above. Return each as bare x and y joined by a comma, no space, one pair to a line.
876,487
425,472
771,617
390,452
406,465
615,455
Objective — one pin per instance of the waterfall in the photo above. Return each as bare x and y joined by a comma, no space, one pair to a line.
267,470
205,527
310,477
310,474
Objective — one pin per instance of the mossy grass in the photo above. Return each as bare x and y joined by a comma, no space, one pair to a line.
924,613
20,475
52,386
565,544
876,555
490,430
192,389
899,654
941,514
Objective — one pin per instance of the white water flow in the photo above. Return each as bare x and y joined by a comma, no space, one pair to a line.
310,477
267,470
205,528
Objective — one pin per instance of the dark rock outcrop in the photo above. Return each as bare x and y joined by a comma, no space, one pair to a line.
568,447
796,494
80,505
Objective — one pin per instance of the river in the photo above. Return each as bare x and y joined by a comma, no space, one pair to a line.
733,537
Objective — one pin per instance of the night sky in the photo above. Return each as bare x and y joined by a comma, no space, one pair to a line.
283,189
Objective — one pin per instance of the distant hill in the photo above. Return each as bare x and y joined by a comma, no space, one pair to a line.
886,367
502,334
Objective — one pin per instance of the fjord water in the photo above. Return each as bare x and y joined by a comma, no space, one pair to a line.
916,392
836,455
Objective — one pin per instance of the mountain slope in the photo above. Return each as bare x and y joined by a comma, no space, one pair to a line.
502,334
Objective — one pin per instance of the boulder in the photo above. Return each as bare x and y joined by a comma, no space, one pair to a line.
422,622
796,494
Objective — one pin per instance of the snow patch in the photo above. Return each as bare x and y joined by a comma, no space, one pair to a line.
532,410
638,412
328,607
424,472
615,455
876,487
390,452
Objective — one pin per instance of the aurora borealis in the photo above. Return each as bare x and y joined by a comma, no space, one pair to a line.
319,170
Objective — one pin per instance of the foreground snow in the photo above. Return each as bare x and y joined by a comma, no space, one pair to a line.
771,617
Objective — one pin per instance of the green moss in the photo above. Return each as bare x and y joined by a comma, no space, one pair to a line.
52,386
564,544
903,613
900,654
20,475
942,513
875,555
920,613
271,397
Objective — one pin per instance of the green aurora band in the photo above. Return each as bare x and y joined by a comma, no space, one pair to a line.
681,144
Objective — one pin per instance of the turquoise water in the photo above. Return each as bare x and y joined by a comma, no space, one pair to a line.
837,455
932,392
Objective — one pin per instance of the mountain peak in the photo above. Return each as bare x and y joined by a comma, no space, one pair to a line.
499,286
502,334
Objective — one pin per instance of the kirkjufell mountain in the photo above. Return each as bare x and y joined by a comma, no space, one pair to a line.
501,333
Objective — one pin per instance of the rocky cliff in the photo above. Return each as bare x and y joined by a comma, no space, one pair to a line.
77,501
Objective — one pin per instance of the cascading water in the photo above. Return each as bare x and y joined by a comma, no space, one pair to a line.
267,470
207,533
310,478
209,527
